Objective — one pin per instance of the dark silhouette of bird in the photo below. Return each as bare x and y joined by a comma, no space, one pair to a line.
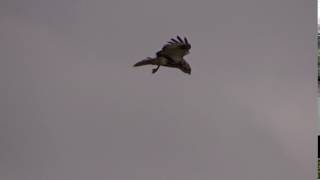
171,55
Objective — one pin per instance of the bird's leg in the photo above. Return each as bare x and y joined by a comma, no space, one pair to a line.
155,69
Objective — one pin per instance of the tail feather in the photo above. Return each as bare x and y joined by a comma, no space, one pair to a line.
147,61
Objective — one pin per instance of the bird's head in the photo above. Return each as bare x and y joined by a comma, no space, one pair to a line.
185,67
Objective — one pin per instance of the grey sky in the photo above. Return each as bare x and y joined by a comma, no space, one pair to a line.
318,11
74,108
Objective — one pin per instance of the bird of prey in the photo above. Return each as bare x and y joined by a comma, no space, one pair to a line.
171,55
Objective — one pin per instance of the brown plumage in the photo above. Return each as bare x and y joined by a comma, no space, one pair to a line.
171,55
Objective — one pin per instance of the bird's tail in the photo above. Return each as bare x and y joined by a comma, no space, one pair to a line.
146,61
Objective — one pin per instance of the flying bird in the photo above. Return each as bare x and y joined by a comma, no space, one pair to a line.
171,55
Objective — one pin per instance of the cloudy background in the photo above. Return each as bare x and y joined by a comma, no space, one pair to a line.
72,106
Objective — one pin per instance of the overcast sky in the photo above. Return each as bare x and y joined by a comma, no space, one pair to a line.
318,13
73,107
318,16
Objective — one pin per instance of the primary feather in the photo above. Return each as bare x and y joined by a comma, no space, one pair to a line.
175,49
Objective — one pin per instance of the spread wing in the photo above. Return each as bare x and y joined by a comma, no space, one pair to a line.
175,49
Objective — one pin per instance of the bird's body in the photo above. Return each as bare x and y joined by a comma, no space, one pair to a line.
171,55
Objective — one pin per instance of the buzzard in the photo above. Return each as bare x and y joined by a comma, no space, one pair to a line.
171,55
